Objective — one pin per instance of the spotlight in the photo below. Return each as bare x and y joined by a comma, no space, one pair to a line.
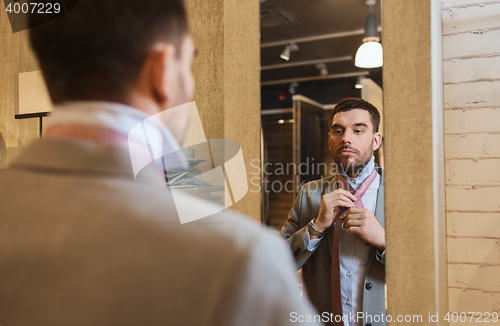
370,53
358,83
285,55
291,90
322,69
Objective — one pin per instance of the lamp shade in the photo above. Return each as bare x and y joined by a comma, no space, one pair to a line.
369,55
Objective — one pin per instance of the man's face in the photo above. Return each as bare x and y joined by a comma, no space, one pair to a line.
352,140
181,88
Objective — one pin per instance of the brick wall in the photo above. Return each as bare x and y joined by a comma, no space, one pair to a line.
471,50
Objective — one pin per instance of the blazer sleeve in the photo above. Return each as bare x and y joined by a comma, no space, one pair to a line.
294,230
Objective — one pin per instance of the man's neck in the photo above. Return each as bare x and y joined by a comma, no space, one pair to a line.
367,169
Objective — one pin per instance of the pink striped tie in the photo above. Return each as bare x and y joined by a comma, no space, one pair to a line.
336,292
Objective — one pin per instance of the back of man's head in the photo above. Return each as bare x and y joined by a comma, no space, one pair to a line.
351,103
96,50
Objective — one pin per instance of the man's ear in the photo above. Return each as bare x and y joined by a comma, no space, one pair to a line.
160,65
377,140
329,146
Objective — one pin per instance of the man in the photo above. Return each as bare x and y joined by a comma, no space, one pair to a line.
81,241
336,226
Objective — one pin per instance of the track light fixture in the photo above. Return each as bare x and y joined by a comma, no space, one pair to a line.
370,53
322,69
285,55
358,85
291,89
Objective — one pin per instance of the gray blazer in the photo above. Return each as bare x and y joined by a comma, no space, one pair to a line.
83,243
316,265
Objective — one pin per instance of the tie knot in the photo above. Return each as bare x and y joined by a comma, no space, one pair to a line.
343,184
350,188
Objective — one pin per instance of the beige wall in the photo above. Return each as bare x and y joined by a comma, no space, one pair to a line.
227,74
15,56
414,160
471,51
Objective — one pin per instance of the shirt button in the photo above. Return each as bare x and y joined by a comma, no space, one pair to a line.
348,247
347,274
348,302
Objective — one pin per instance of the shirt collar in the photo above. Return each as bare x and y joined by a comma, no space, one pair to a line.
361,177
122,119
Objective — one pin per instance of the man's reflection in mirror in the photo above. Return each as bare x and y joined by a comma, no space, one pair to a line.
335,228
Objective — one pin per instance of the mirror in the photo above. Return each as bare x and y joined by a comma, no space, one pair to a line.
326,35
308,54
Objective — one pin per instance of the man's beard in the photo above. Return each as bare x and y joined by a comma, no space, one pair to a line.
351,168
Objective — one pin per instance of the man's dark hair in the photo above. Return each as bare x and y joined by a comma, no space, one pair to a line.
351,103
97,49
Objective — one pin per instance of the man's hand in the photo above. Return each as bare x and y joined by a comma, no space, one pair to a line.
331,205
362,222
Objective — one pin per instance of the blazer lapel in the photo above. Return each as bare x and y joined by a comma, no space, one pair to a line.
380,206
329,232
379,213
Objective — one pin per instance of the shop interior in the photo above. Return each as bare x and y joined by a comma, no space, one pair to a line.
308,52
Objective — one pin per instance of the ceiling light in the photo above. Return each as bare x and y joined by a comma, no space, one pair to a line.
358,85
291,89
285,55
281,121
322,69
370,53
